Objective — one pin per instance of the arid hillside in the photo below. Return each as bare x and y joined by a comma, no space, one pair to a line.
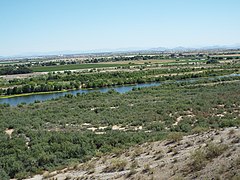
204,155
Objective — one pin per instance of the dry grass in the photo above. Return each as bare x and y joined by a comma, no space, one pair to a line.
115,165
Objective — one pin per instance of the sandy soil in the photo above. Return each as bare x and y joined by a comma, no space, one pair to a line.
9,132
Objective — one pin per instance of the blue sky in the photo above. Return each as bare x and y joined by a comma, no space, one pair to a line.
59,25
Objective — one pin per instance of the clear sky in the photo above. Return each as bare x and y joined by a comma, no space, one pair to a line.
58,25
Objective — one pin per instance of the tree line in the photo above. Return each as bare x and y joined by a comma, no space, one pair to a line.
9,70
70,80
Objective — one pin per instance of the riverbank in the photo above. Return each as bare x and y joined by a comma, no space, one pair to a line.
29,94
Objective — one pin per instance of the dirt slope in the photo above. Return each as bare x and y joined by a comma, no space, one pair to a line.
210,155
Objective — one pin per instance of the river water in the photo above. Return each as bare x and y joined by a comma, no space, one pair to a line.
14,101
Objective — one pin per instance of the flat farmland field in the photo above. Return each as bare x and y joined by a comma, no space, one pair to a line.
154,61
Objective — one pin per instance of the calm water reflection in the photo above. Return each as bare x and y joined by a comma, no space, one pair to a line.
14,101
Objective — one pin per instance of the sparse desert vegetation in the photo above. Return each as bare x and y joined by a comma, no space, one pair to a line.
204,159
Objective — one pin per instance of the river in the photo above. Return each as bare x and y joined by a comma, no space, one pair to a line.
14,101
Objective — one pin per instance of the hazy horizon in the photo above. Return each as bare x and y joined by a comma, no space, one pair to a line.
60,25
126,49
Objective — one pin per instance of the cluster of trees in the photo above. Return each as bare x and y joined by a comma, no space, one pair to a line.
55,63
31,87
8,70
125,58
51,134
212,61
224,57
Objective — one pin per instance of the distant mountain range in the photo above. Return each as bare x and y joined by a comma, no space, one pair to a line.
180,48
122,50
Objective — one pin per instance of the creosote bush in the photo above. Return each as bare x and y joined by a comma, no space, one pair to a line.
199,160
175,137
215,150
116,165
200,157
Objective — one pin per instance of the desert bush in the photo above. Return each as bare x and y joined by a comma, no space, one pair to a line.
198,130
175,137
199,160
22,175
137,152
200,157
116,165
89,166
214,150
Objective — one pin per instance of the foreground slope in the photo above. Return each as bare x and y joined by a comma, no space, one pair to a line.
213,154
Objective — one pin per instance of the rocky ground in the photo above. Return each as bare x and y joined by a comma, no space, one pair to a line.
205,155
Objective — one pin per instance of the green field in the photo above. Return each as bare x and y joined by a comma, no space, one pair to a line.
73,67
9,62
